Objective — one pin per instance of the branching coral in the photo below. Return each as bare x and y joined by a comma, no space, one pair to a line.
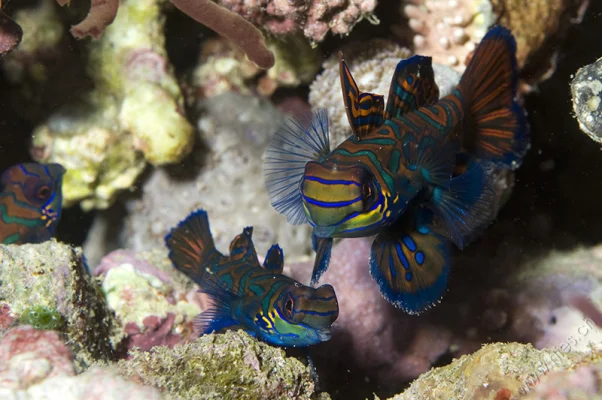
223,21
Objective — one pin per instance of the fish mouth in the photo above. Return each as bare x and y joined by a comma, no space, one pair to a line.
324,231
324,335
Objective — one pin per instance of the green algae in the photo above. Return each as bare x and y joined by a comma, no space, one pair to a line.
232,365
43,318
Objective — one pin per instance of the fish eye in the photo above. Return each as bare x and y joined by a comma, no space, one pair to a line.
366,190
288,307
43,192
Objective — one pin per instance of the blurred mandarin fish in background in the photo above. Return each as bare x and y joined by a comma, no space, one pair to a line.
416,173
30,202
247,295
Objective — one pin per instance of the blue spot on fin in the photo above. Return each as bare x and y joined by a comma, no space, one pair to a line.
364,110
411,280
497,126
412,86
467,205
296,142
323,249
220,314
274,259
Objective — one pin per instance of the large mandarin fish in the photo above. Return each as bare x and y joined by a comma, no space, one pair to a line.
416,173
245,294
30,202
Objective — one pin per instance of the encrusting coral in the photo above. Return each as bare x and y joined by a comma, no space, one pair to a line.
449,30
135,113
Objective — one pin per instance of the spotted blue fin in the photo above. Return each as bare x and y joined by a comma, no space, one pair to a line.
411,264
274,259
191,245
323,249
497,127
242,247
413,86
364,110
219,315
466,206
295,143
432,154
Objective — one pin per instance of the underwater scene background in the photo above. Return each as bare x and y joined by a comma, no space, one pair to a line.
347,199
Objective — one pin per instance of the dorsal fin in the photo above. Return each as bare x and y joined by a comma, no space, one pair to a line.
242,247
364,110
274,259
413,86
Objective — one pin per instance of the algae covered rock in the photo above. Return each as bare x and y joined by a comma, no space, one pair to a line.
231,365
52,277
511,369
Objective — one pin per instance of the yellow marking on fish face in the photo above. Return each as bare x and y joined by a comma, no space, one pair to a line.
388,213
396,199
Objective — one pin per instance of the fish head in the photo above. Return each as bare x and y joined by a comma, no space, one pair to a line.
341,200
37,190
302,316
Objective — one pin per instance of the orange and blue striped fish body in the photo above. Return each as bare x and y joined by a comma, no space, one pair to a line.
417,172
30,202
247,295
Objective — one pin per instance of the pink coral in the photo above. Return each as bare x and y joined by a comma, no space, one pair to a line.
157,332
7,318
28,355
315,18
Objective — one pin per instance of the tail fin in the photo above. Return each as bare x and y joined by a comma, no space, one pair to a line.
488,87
191,245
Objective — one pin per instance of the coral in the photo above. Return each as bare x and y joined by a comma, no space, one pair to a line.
579,382
509,368
226,179
586,88
170,302
222,67
94,384
315,18
135,112
52,275
230,25
449,30
36,364
101,14
41,317
232,365
28,355
10,34
372,65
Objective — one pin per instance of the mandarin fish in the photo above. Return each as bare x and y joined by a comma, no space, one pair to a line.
30,202
417,172
247,295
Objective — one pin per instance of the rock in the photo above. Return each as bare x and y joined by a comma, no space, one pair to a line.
586,88
54,276
231,365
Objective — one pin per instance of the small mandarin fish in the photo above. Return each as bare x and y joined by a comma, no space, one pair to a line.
416,173
256,298
30,202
